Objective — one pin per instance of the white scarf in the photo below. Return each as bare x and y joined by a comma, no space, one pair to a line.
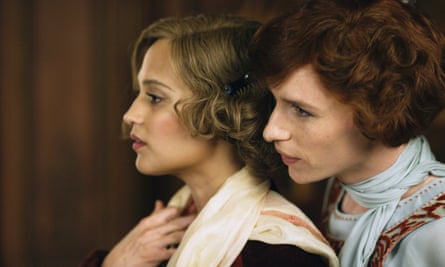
381,194
243,209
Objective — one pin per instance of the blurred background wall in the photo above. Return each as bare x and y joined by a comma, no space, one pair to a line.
68,182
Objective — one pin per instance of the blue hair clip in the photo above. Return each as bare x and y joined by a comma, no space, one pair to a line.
238,85
409,2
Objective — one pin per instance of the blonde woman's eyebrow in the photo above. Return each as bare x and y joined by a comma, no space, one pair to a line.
155,82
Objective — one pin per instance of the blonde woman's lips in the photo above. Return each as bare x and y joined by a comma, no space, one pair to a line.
137,143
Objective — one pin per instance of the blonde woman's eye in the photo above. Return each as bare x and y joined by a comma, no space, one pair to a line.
154,98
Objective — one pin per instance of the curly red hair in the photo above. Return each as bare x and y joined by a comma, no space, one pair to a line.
383,58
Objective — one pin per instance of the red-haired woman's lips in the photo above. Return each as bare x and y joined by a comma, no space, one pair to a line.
288,160
137,143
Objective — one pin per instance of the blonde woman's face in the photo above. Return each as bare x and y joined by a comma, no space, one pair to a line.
163,145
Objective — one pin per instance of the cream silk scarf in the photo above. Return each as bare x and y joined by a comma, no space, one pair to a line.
243,209
381,194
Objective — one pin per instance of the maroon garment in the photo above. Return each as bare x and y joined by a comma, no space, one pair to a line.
254,254
94,259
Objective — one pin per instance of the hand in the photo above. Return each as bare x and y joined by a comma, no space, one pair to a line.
152,240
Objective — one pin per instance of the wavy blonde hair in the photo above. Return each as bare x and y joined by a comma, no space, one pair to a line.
208,52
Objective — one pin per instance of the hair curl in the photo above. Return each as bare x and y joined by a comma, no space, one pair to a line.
209,51
383,58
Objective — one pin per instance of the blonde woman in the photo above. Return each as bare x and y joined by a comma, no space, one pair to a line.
199,116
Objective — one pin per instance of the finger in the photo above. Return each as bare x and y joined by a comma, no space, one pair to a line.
172,240
152,253
159,205
181,222
161,217
154,221
177,224
158,249
162,249
158,234
157,255
169,211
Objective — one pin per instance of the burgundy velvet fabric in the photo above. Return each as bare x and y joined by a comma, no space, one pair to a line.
260,254
254,254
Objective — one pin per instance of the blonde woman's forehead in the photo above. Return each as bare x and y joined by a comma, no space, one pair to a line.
157,68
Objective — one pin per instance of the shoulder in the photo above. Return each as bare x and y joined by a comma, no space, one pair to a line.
430,238
422,246
260,254
287,227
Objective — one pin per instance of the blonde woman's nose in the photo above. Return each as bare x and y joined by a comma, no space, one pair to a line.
133,115
127,118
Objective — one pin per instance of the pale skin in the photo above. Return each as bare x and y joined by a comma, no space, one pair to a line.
164,146
316,136
147,243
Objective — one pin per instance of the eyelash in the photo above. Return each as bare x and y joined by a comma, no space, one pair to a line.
301,112
154,98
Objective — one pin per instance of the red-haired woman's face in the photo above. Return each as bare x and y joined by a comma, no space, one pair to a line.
314,132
